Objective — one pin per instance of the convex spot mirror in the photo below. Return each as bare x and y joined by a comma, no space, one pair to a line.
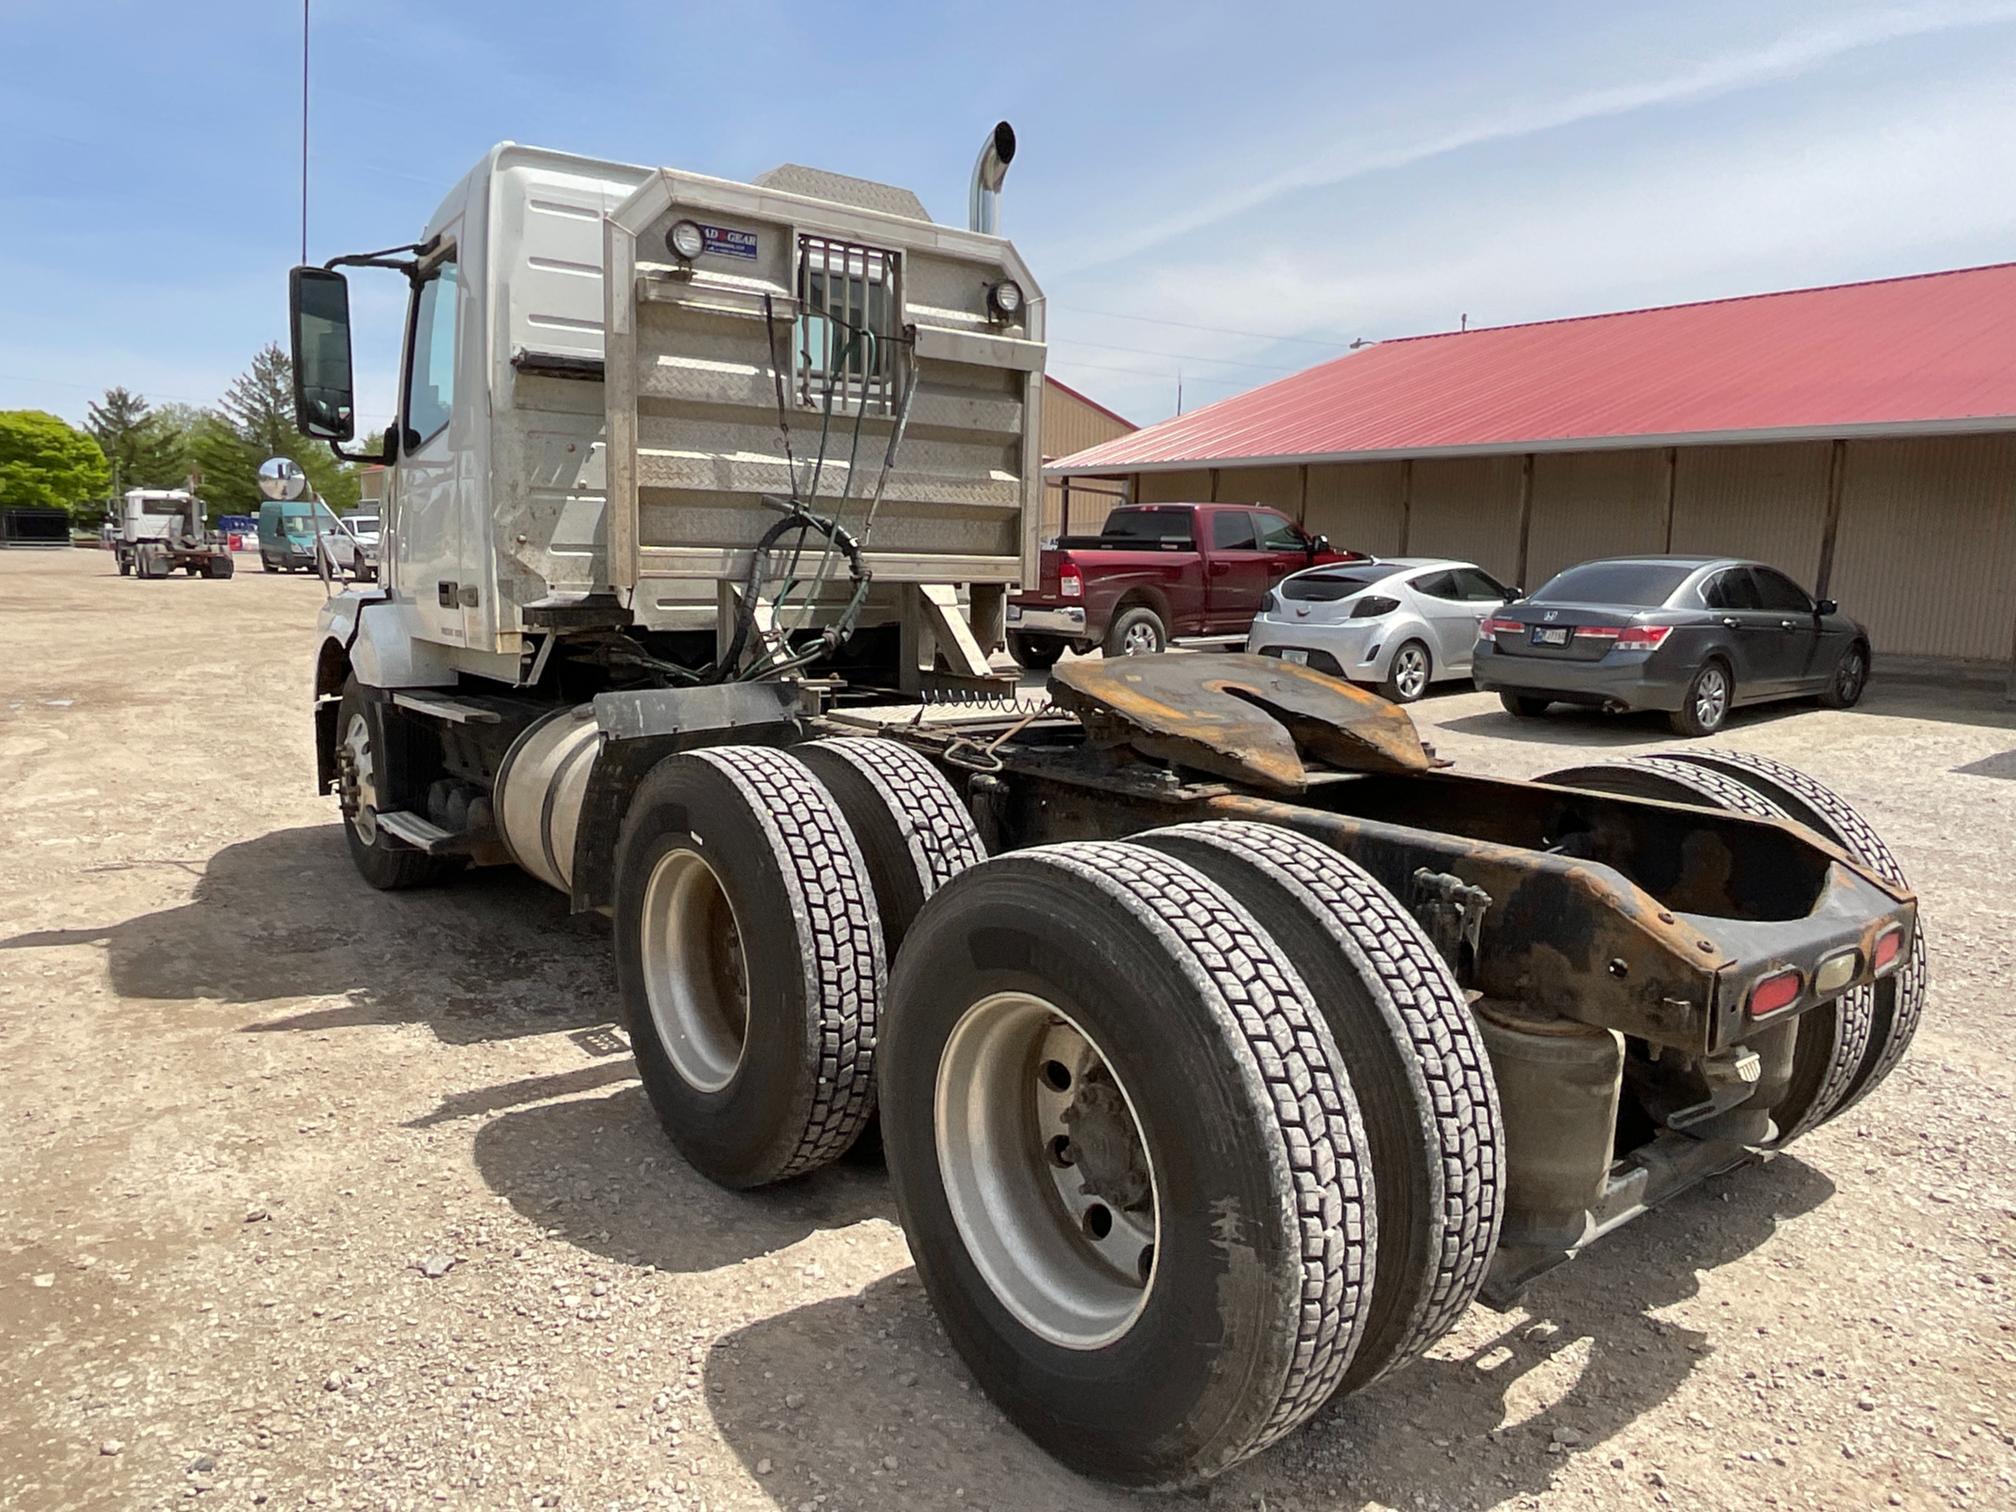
319,309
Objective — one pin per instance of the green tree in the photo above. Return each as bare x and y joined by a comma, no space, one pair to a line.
143,452
46,462
259,409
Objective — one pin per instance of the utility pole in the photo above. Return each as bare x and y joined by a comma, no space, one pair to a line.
304,132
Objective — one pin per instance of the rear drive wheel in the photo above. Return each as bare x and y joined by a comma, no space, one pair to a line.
1705,707
1524,705
1136,632
1419,1069
1834,1038
1850,677
365,771
1036,652
1897,1002
125,566
1408,674
748,962
221,567
1099,1071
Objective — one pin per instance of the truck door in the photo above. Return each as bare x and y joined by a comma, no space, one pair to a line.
432,449
1236,572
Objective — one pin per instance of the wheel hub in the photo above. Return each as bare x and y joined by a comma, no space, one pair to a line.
357,779
1103,1148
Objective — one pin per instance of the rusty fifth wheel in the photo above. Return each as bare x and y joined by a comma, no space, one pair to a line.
1127,1159
749,963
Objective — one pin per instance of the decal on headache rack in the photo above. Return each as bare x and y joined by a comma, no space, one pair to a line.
724,242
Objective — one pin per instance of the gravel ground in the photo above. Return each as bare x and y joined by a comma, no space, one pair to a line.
320,1196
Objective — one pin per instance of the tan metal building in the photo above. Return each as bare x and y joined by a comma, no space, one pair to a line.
1862,438
1071,423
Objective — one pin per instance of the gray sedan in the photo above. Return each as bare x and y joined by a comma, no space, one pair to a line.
1399,624
1693,636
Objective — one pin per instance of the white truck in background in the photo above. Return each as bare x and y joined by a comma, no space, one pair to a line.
1224,1047
159,531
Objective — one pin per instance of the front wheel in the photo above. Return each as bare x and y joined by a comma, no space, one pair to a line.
363,772
1038,653
1851,676
1136,632
1127,1159
1705,708
1408,675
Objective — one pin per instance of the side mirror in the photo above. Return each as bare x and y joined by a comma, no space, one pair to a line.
1318,544
318,304
1826,606
1513,595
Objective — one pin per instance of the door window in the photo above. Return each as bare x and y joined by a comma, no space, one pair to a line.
1439,585
1732,589
1277,532
1476,587
1777,592
430,373
1232,530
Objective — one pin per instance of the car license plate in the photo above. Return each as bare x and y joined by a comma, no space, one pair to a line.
1295,655
1550,635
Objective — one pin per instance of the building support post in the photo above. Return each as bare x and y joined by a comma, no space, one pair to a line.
1064,522
1406,502
1302,508
1214,485
1672,482
1525,513
1837,466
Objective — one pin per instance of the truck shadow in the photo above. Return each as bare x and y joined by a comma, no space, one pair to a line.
1455,1430
599,1173
285,916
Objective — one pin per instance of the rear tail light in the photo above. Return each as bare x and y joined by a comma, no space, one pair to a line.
1779,990
1598,632
1889,946
1373,607
1070,581
1643,637
1496,626
1271,602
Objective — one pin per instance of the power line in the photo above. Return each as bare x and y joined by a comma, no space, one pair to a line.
1102,367
1108,346
1340,346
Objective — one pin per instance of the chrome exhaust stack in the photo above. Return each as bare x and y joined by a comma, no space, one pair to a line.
983,204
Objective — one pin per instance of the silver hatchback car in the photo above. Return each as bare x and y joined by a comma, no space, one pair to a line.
1397,624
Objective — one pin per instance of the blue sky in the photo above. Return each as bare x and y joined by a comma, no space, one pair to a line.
1234,192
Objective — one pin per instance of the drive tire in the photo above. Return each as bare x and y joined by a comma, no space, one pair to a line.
1699,714
384,865
1136,632
222,567
266,566
799,1087
1897,1002
1433,1129
1849,677
1247,1128
1525,705
1037,653
1404,671
1834,1038
125,566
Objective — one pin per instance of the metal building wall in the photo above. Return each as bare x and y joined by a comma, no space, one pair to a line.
1358,505
1070,425
1594,504
1468,507
1172,487
1276,487
1925,553
1767,502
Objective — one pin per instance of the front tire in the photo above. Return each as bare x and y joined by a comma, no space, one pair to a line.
1037,653
1136,632
1408,674
1098,1068
365,767
1849,678
749,963
1705,707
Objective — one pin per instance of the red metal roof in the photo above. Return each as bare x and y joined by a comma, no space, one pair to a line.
1931,353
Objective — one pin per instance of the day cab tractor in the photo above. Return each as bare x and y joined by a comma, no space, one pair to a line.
1225,1044
159,531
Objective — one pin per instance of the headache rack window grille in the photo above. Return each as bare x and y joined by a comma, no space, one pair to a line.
851,298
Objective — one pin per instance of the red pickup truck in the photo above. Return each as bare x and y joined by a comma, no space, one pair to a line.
1157,572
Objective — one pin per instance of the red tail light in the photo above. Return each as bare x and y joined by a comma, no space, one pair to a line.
1070,581
1495,626
1643,637
1780,990
1598,632
1889,946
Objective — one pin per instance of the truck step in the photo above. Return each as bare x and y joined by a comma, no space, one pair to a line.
408,828
447,707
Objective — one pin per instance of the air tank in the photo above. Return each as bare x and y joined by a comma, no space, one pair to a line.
540,789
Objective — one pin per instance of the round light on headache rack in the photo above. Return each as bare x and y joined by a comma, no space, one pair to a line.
685,240
1005,298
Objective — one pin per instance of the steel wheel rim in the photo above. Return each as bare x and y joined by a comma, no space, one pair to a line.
1410,675
1848,682
696,972
1711,696
1018,1146
1138,641
361,780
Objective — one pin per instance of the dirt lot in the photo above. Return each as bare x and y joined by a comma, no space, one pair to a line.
251,1104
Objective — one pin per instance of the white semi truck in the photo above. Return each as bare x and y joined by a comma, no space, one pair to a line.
158,531
1224,1046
